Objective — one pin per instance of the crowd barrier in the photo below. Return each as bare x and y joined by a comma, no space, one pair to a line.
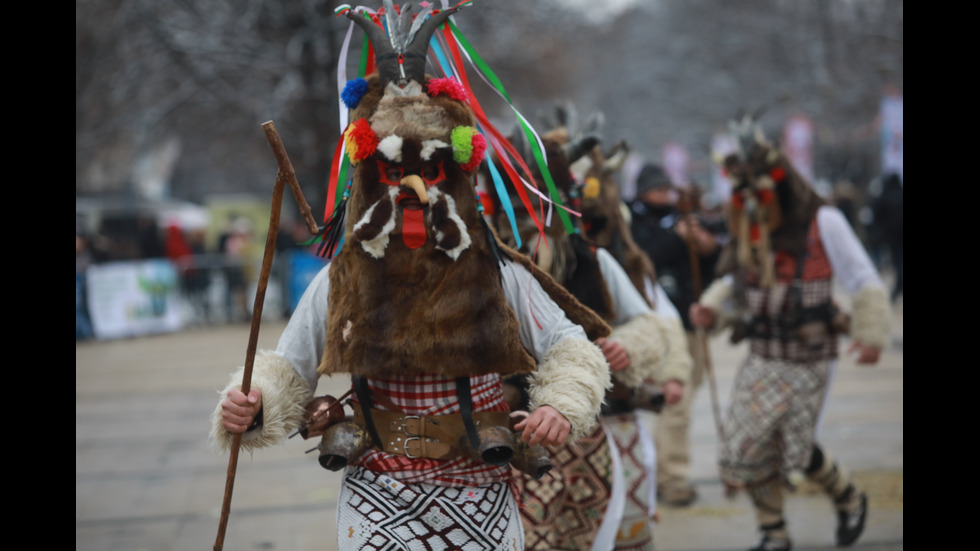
132,298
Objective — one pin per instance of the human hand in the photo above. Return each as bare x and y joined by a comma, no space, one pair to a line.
673,392
545,426
322,412
617,356
866,355
238,410
702,316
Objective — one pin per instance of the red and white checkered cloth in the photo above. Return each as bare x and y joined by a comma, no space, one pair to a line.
436,395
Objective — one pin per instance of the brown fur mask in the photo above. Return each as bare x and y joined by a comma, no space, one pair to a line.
602,213
771,208
415,288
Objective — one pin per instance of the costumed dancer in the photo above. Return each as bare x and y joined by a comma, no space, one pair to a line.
426,315
599,496
777,290
681,249
605,223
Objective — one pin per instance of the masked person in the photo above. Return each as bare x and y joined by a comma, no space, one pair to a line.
788,247
674,241
600,493
426,315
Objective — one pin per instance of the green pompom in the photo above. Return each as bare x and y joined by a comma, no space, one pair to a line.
462,139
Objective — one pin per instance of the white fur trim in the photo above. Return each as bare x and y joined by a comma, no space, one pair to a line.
464,234
718,296
573,378
285,396
430,146
646,345
376,247
871,317
413,88
391,148
678,363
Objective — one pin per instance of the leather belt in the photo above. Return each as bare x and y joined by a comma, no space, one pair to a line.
426,436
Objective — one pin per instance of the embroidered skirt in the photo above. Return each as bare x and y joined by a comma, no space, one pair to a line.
639,467
565,509
378,512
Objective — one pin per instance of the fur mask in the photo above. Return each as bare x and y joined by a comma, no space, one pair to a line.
771,206
415,289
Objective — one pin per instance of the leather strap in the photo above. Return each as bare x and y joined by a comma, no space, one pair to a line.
428,436
364,397
466,409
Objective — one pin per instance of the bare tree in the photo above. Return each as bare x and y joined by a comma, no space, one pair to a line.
204,74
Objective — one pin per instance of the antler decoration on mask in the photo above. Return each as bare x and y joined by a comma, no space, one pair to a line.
401,52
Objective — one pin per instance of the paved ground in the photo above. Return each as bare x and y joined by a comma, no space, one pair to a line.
145,479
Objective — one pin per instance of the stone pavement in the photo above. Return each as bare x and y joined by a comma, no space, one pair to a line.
145,479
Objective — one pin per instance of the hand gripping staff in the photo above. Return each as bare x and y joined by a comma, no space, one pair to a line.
285,175
685,205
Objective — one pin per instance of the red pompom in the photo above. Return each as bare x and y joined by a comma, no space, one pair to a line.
777,173
449,86
361,140
479,144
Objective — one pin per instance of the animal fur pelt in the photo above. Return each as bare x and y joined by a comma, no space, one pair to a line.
433,308
568,258
594,325
284,398
760,225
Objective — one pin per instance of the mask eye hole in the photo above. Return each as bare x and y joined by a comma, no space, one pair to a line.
433,173
390,174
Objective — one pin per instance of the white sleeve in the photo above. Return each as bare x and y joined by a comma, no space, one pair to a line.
543,323
848,258
629,303
304,339
661,302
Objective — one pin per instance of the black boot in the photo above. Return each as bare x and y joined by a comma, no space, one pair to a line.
774,538
851,524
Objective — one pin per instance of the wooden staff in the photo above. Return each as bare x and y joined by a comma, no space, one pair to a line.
686,207
284,175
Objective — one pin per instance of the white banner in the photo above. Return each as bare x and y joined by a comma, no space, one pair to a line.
722,145
133,298
892,135
676,164
798,137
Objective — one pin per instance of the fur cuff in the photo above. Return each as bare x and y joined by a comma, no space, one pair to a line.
284,398
871,317
678,364
718,296
573,378
646,343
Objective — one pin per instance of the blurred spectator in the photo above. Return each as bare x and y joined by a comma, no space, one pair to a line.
232,245
198,277
83,258
186,250
149,238
671,236
845,197
888,210
289,241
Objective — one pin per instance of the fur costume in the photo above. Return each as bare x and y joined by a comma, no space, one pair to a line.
590,501
788,247
284,394
424,308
